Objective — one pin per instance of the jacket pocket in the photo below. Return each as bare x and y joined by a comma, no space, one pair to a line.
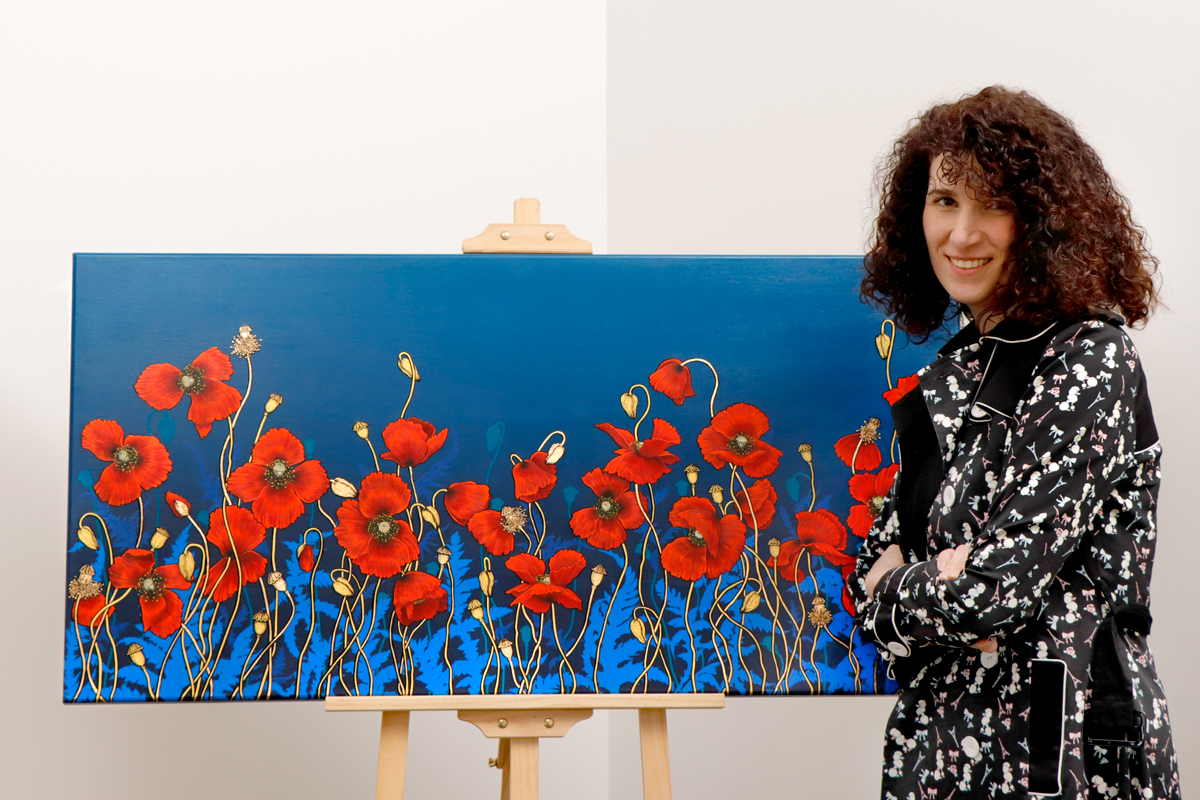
1047,712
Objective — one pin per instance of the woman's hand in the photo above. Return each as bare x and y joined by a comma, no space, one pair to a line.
890,559
951,563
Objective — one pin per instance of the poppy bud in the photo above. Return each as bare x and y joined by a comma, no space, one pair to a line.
304,555
343,587
180,506
692,472
505,646
598,573
88,537
717,494
342,487
486,581
806,452
274,401
750,601
431,515
187,565
883,343
773,546
159,538
405,363
136,655
275,579
555,452
360,428
476,609
443,555
629,403
261,620
638,629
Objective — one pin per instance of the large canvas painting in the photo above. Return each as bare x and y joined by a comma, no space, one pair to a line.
301,476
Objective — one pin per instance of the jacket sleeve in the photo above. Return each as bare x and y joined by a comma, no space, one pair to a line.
1072,438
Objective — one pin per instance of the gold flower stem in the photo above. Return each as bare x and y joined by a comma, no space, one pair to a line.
816,588
744,562
812,482
892,446
237,597
359,641
149,683
373,454
261,425
112,643
103,527
274,626
892,346
586,616
85,672
538,649
712,402
276,636
412,387
562,653
542,534
516,683
853,461
347,610
650,531
94,630
392,623
178,634
449,618
812,656
716,634
645,413
607,611
241,686
687,623
774,607
141,521
798,651
312,604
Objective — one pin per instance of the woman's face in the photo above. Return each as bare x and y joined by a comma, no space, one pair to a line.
969,238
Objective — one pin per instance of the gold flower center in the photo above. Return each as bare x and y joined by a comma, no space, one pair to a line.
126,457
696,538
383,528
544,579
607,508
742,444
874,506
191,381
279,474
150,585
512,519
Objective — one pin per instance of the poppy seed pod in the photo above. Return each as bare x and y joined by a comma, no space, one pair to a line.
431,516
883,343
717,494
261,620
88,537
598,573
187,565
750,601
805,450
505,646
443,555
638,629
136,655
555,453
486,581
274,401
476,609
275,579
362,429
343,488
820,616
629,403
343,587
159,538
773,547
692,472
405,363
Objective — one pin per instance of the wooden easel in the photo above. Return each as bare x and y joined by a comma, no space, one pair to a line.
519,721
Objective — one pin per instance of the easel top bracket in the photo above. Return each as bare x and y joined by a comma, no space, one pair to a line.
526,234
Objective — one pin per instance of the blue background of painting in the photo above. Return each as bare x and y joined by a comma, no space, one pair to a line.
522,344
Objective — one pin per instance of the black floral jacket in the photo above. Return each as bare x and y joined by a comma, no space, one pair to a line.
1036,447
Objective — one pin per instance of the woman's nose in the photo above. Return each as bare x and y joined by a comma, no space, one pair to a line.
966,230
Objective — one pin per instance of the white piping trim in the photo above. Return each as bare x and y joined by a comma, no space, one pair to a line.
1019,341
1062,744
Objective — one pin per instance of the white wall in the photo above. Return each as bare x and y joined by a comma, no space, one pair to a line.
753,127
381,127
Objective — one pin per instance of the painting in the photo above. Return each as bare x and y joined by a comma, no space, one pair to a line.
293,477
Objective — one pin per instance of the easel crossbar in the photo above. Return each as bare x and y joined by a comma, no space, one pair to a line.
504,702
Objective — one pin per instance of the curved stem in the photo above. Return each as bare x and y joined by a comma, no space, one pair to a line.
645,413
712,402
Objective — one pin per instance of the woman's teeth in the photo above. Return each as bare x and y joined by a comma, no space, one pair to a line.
973,263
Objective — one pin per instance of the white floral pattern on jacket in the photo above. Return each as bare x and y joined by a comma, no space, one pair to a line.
1047,494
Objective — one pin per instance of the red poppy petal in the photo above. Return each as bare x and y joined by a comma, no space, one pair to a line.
163,616
173,501
304,556
884,480
860,520
788,562
761,461
154,463
637,469
128,568
485,527
172,577
216,401
87,610
684,560
385,560
903,387
247,482
465,499
585,522
820,527
741,418
383,493
565,566
630,516
534,479
411,441
761,502
609,534
698,513
673,379
565,597
526,567
713,446
729,549
622,437
603,483
414,585
862,486
351,530
427,606
101,437
666,432
277,444
278,508
117,488
158,385
311,481
221,582
531,596
215,364
868,457
246,531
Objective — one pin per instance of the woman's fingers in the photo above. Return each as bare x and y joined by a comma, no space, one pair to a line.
951,563
987,645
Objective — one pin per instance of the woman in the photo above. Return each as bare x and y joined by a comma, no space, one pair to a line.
1006,580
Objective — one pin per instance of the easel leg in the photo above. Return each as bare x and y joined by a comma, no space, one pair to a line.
523,771
504,760
656,762
393,753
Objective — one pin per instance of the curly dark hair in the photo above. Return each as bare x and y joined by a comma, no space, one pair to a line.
1076,249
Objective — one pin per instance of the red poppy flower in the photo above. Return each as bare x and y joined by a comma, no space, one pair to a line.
241,537
162,386
903,387
138,462
178,505
762,502
821,533
162,611
87,611
847,600
733,438
540,587
673,379
615,512
869,488
418,596
368,529
712,545
466,499
304,556
278,480
534,478
858,449
645,461
411,441
496,530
